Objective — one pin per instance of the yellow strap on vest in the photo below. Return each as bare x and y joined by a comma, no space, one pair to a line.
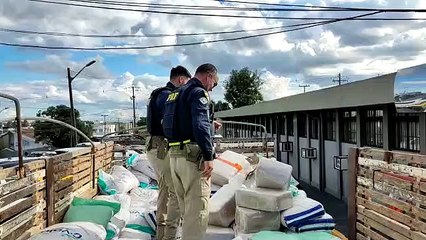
174,144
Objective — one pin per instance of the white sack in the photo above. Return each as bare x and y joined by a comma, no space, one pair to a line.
253,221
140,176
222,203
75,230
120,180
120,219
273,174
143,201
270,200
140,163
128,234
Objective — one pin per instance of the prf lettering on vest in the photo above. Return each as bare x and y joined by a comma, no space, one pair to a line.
172,96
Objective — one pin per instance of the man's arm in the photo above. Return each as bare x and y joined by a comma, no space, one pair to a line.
201,125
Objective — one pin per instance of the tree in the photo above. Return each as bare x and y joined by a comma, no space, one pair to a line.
141,122
243,88
220,106
55,134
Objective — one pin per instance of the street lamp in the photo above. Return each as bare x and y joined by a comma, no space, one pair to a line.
70,79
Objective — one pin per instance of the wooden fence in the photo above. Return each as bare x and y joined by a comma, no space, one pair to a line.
43,195
387,195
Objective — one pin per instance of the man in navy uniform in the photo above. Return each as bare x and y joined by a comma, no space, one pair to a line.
168,214
188,128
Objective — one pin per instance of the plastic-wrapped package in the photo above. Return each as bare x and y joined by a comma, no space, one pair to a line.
270,200
227,165
273,174
129,233
236,158
120,180
215,233
303,209
139,162
222,204
252,221
74,230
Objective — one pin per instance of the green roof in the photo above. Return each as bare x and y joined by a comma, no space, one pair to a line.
376,90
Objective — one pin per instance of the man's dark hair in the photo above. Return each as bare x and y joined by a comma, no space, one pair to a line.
206,68
179,71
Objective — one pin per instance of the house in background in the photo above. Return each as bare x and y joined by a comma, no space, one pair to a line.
9,143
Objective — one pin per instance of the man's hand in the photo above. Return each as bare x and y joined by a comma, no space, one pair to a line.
207,169
217,125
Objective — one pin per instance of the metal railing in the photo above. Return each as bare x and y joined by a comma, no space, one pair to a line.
243,135
19,131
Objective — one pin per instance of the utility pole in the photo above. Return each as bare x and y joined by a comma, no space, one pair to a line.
304,86
104,115
339,79
134,106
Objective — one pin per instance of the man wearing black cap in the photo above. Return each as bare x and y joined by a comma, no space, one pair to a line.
168,213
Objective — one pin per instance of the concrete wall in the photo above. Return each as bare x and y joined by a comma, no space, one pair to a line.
331,175
315,165
292,159
284,158
304,163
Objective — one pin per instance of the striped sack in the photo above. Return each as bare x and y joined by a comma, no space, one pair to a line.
303,209
325,222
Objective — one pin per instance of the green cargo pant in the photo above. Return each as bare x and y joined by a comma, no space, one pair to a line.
168,214
193,193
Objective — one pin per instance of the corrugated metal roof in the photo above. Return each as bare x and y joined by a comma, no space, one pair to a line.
377,90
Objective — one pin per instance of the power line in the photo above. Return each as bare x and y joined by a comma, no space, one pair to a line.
149,35
321,7
279,8
183,44
198,7
208,14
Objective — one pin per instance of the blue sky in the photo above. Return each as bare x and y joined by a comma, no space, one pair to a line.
286,60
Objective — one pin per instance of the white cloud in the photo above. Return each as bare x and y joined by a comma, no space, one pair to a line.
361,48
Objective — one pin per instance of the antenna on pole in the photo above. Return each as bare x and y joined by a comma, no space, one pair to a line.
304,86
339,79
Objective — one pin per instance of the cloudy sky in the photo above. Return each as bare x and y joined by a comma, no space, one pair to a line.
356,49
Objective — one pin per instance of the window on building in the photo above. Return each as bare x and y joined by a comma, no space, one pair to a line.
349,127
330,126
301,126
274,119
314,128
407,132
374,128
290,125
282,124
